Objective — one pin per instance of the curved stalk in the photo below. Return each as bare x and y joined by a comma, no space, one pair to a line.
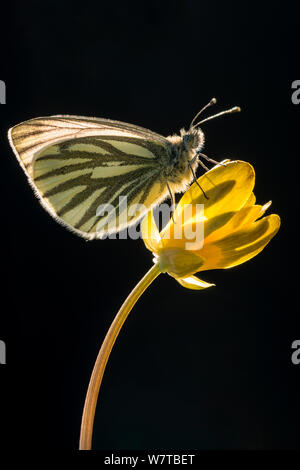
86,432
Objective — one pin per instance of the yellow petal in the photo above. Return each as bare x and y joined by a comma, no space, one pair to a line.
228,187
178,262
246,216
193,282
241,245
150,232
251,200
213,229
264,208
195,232
216,224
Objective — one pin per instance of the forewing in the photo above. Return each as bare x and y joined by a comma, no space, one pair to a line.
83,168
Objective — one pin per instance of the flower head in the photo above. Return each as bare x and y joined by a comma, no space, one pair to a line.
230,226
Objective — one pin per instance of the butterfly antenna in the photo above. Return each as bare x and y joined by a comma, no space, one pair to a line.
172,201
212,101
236,109
195,180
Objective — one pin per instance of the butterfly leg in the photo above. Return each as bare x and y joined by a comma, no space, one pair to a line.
172,201
196,157
209,159
195,180
203,166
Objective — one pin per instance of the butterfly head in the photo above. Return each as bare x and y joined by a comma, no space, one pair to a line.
193,139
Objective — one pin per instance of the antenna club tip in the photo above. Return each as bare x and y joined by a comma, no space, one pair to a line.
213,100
236,109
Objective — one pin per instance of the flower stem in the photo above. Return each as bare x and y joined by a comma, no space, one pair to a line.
91,398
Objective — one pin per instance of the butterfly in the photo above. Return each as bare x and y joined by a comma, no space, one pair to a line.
77,164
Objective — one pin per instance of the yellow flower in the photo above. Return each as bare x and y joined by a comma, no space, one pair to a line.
232,233
221,229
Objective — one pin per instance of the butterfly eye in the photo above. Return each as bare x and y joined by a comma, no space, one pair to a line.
188,140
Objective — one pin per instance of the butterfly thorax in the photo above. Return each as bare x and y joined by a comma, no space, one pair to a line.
183,151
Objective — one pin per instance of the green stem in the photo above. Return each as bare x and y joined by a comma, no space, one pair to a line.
86,432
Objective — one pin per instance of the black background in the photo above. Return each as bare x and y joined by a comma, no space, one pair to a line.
190,370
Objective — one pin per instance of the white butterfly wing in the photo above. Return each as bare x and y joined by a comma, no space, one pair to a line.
78,166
